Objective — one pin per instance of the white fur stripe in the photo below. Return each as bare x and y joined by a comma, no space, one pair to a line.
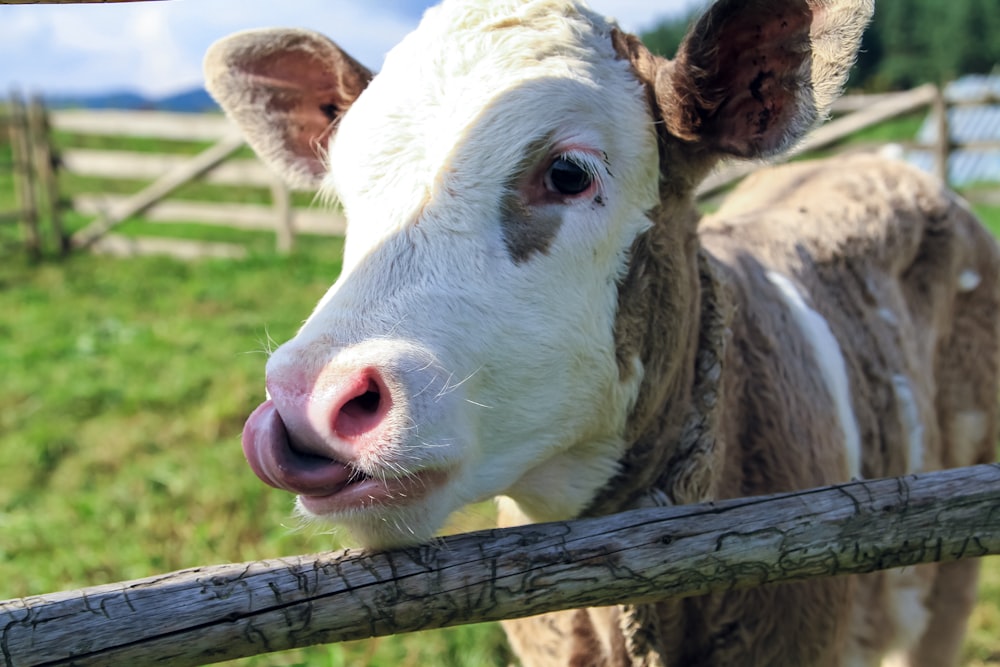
828,357
910,415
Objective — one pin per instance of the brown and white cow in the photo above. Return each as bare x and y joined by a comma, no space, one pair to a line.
530,308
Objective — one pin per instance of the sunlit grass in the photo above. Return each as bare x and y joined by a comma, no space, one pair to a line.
126,383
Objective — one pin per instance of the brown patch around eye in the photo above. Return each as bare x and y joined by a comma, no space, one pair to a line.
527,229
527,224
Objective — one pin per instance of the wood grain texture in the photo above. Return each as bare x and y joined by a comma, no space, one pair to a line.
210,614
65,2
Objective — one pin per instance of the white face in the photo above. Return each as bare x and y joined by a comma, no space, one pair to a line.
494,180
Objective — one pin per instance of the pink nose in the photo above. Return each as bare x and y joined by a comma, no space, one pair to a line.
312,428
361,406
334,415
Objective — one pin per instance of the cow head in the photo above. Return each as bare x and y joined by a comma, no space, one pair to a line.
519,291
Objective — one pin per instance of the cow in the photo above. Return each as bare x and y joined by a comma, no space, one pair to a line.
530,307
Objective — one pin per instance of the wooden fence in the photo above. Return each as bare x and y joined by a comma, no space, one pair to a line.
32,165
61,2
862,111
210,614
168,172
164,173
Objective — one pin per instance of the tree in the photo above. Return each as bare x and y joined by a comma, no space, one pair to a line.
920,41
907,44
667,35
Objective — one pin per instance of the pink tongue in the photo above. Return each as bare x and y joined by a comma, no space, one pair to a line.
272,458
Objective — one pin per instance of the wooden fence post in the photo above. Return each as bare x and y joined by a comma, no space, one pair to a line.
942,149
24,181
45,162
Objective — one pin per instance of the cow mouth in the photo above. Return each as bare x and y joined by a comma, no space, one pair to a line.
324,485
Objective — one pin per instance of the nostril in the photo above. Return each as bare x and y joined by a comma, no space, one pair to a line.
364,411
365,404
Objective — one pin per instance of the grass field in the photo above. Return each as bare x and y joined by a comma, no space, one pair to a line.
125,386
126,383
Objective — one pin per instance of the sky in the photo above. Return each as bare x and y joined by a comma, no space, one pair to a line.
156,48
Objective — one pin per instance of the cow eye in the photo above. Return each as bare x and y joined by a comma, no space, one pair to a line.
566,177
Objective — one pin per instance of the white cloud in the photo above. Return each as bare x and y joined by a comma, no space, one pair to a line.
156,48
20,31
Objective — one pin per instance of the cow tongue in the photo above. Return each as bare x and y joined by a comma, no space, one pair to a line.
269,452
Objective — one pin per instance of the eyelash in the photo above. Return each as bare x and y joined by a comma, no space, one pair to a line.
572,174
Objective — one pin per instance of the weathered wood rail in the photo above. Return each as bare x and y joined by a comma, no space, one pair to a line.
166,172
211,614
62,2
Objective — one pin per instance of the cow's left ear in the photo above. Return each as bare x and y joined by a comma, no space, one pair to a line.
286,89
753,76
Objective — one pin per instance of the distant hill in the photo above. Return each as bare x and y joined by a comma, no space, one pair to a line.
192,101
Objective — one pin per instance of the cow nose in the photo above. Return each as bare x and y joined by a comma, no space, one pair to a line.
336,415
361,406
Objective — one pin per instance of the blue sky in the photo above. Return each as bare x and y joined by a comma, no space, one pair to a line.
156,47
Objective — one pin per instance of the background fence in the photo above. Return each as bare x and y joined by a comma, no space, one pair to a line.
166,171
192,169
32,165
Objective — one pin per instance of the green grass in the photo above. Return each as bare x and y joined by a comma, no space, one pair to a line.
901,129
990,215
126,383
137,144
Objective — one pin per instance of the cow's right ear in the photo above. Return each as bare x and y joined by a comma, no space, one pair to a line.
286,90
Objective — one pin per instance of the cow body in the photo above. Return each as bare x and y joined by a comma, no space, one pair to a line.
530,307
858,301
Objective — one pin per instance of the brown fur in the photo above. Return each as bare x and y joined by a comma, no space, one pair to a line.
733,401
877,249
863,238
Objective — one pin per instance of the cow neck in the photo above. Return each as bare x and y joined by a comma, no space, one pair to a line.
675,459
685,466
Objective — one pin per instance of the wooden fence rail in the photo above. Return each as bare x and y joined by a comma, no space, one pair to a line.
159,189
62,2
169,171
210,614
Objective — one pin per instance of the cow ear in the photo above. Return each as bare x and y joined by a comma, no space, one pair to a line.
753,76
286,90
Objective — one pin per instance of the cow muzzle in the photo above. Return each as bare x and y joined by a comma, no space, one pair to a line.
349,431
